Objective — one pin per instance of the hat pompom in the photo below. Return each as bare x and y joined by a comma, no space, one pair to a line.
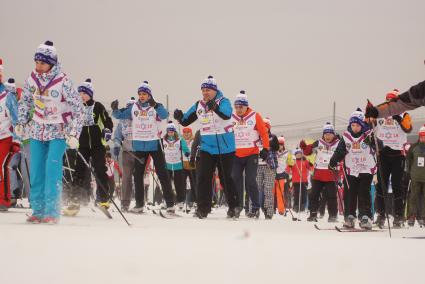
88,80
210,77
11,81
48,43
146,82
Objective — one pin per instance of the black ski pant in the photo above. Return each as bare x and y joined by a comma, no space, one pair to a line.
323,190
207,166
82,174
390,166
179,184
161,171
358,195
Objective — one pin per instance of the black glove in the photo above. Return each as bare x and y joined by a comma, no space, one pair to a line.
264,154
114,105
178,115
397,118
371,112
212,105
192,162
152,102
332,167
107,134
187,155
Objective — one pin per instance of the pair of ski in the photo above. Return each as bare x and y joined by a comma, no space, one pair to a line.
165,215
347,230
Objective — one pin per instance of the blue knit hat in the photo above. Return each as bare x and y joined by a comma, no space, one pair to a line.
87,88
10,85
328,128
145,88
209,83
241,99
357,117
46,53
171,126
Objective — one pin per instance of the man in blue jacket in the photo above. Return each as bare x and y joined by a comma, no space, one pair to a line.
146,115
217,146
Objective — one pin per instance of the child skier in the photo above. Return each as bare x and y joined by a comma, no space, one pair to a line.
174,150
111,167
356,148
300,172
416,167
123,140
266,173
323,180
188,170
280,193
146,115
57,121
250,129
8,118
96,132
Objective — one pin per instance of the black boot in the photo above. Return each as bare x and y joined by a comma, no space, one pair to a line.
312,217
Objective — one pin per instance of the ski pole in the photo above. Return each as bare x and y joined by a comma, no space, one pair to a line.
290,211
380,175
101,186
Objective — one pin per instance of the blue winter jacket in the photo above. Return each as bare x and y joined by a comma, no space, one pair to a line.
11,104
142,146
226,141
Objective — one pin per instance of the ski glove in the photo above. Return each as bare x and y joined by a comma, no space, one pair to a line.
371,112
178,115
192,163
187,155
397,118
303,145
72,142
152,102
114,105
15,148
212,105
107,134
19,130
264,154
116,151
332,168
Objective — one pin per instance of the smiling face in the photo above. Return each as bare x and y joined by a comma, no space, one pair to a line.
208,94
187,135
42,67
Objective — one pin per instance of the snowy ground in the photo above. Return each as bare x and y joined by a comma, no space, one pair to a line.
92,249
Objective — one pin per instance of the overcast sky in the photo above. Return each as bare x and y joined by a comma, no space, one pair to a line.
293,58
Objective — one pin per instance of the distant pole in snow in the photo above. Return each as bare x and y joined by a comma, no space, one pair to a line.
334,115
167,103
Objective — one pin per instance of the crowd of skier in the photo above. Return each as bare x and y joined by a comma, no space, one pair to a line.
55,138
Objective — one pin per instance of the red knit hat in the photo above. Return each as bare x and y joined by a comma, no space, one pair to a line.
392,95
1,64
187,130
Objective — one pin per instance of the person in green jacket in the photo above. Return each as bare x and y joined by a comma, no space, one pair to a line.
416,168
